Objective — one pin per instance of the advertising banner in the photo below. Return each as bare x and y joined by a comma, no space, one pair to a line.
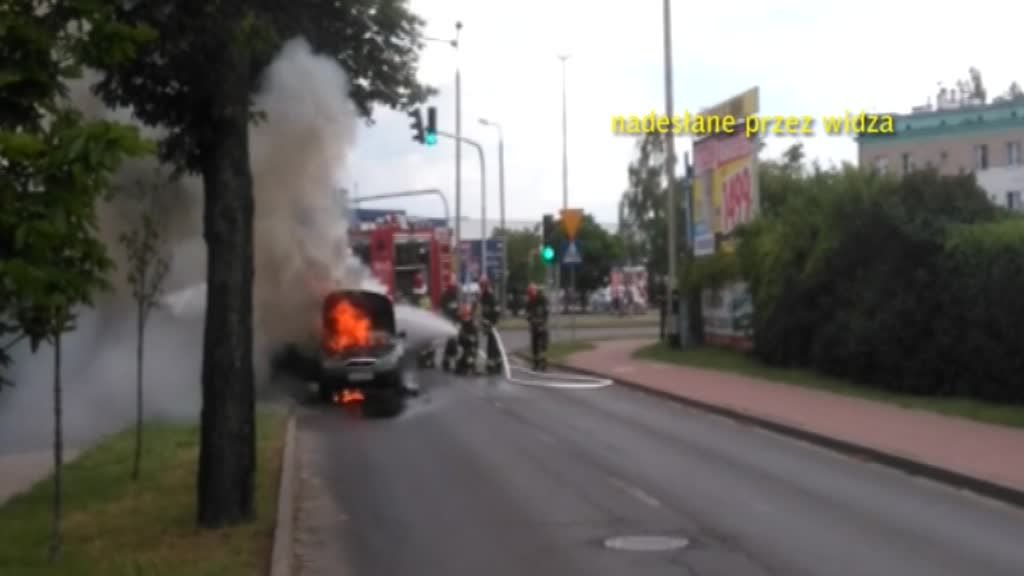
470,260
725,179
728,316
725,196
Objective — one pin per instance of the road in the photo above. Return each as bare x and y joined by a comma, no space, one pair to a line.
487,477
516,339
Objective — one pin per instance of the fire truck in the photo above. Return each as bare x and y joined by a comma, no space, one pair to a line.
396,248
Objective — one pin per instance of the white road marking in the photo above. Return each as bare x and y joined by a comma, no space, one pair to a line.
635,492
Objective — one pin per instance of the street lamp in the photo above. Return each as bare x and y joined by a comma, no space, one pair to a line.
565,147
501,209
674,336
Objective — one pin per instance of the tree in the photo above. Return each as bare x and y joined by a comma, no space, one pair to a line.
197,81
642,207
147,268
524,265
56,167
599,250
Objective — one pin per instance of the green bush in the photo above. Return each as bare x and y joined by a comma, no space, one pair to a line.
906,285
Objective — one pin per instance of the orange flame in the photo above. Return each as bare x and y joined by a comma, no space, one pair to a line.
349,397
347,327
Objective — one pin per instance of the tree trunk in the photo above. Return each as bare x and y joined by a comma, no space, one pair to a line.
227,445
58,455
140,346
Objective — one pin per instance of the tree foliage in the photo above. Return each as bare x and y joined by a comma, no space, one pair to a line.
599,250
56,166
886,281
197,81
524,264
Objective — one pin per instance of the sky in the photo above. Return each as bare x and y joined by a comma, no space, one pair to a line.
808,57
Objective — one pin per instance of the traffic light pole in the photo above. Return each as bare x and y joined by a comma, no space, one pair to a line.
406,193
483,200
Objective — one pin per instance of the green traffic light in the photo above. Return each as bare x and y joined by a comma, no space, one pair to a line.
548,254
431,138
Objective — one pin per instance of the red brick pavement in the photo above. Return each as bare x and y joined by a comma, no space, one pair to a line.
987,452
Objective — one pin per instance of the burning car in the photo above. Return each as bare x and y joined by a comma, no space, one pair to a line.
361,351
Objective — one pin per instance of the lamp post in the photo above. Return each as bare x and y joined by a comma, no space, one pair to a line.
483,189
503,287
565,145
673,331
458,145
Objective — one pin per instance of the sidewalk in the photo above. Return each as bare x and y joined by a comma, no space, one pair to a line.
978,456
20,471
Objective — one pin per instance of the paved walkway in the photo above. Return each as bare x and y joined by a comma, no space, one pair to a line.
20,471
991,453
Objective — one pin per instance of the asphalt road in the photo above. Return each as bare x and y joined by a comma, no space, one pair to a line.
487,477
520,339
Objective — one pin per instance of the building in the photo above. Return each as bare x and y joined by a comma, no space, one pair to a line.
957,137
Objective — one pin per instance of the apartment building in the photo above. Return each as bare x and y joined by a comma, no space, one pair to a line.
957,137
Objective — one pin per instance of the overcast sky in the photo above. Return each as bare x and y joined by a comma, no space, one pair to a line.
809,57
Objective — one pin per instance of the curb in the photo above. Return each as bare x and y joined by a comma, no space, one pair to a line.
945,476
281,554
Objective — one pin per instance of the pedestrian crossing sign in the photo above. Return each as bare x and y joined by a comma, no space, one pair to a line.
572,254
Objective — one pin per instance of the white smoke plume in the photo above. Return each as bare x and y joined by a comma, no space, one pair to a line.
298,157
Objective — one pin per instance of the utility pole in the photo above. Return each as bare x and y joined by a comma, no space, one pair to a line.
670,162
503,287
565,163
565,146
458,158
458,151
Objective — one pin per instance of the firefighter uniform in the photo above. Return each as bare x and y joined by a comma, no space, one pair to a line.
468,342
450,310
537,317
490,314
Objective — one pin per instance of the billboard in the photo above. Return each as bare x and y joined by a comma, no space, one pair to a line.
725,196
724,193
469,260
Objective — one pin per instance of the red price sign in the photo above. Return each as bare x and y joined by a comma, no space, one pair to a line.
737,200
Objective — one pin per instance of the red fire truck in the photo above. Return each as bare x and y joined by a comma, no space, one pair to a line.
396,249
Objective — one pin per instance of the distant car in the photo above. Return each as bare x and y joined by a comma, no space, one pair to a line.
361,353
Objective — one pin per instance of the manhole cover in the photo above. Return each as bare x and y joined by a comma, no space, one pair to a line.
646,543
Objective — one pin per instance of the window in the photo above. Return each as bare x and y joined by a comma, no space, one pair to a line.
907,165
881,165
1013,153
981,157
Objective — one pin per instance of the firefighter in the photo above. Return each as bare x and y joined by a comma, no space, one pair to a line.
427,356
537,317
450,310
468,341
490,314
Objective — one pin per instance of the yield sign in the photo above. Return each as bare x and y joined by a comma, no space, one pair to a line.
572,255
571,219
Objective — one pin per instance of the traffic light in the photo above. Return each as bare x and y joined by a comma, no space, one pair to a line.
417,126
547,250
431,137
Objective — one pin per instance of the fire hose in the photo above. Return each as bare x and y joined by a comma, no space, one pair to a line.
546,379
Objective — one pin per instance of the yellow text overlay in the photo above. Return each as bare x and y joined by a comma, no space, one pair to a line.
756,125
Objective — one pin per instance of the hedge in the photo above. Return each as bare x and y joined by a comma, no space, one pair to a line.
910,285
